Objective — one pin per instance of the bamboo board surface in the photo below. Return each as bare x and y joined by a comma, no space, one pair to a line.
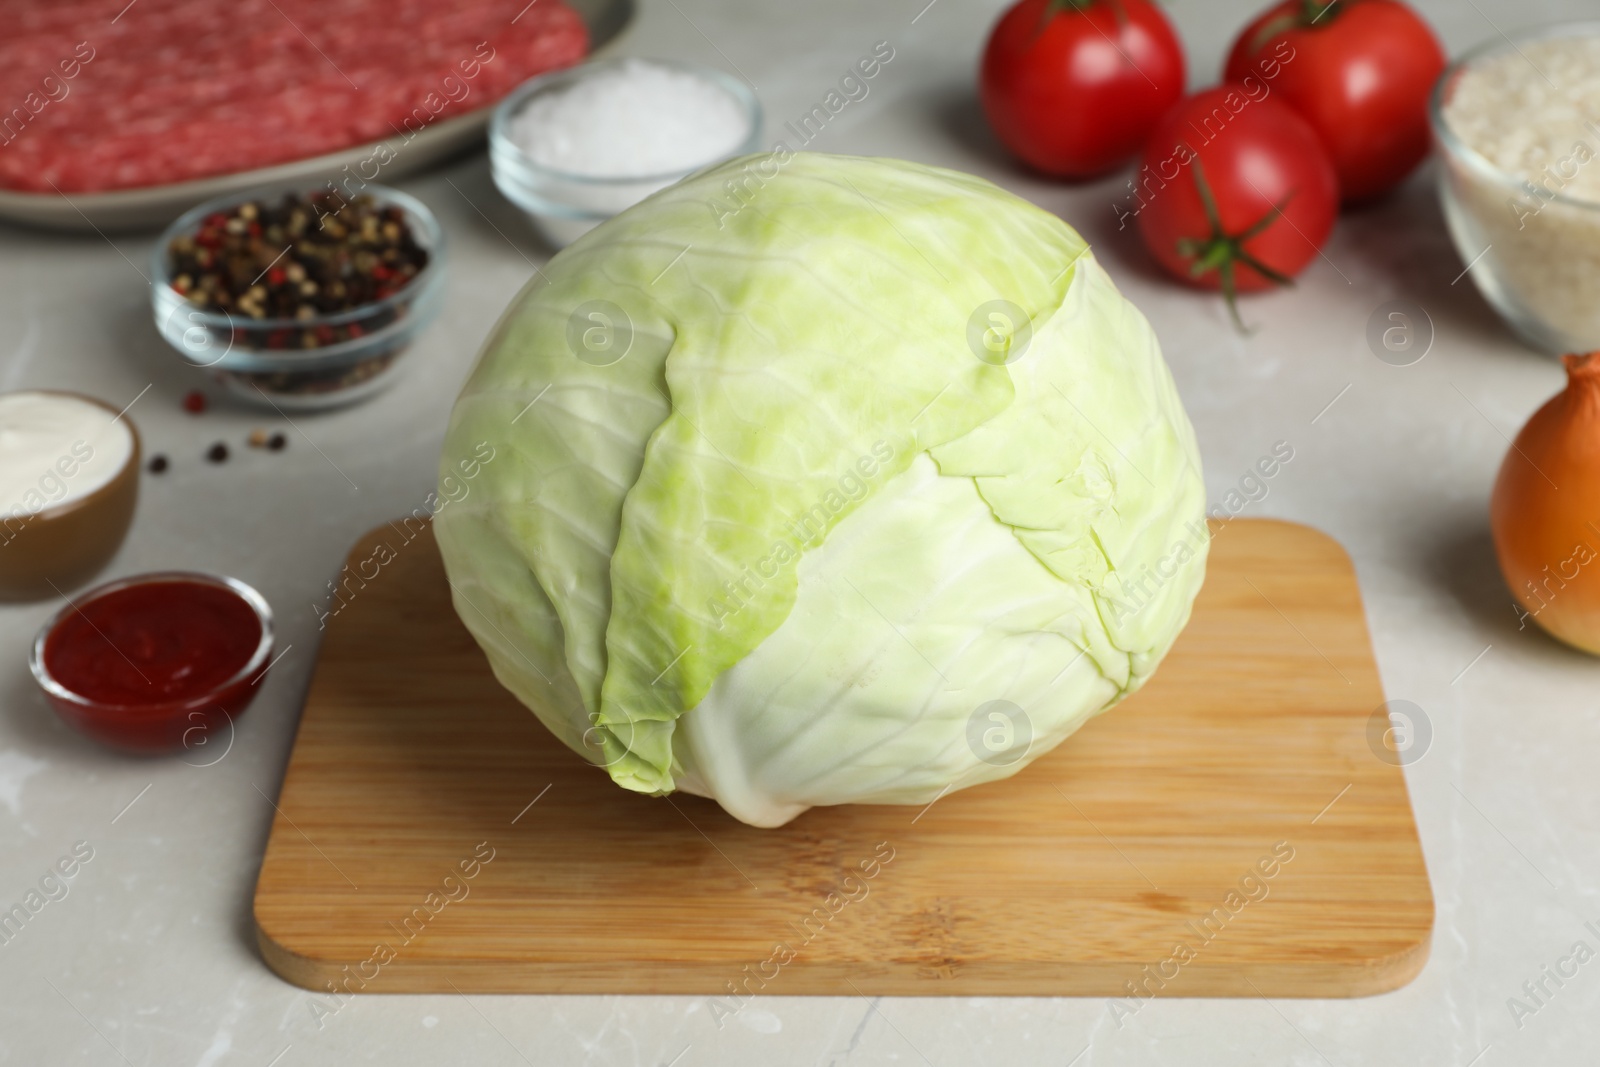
1228,831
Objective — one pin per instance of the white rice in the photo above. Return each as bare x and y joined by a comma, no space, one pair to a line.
1534,113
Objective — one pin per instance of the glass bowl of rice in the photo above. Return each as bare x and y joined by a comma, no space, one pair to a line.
1516,123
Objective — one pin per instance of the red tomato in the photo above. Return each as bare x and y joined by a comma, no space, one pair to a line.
1236,193
1360,71
1074,87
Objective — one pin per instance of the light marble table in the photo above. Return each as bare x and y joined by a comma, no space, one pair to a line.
150,959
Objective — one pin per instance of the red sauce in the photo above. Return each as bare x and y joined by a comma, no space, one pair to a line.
154,643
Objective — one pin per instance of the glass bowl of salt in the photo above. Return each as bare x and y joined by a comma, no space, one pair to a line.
575,147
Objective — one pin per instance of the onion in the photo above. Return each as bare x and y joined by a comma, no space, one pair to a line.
1545,511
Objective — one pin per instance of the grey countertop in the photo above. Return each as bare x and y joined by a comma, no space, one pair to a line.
150,958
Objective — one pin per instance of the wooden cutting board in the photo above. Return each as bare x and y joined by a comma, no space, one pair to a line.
1229,831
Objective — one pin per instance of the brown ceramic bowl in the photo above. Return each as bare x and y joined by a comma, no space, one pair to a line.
49,552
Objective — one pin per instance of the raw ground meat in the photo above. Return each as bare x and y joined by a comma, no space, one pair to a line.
174,90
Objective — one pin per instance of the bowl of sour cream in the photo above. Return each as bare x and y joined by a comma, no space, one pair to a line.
573,148
69,480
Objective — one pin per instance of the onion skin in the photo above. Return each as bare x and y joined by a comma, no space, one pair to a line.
1545,511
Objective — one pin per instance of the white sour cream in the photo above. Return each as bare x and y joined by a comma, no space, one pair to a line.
55,449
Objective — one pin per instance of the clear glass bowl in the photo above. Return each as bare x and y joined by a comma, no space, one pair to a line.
163,725
566,206
1534,253
248,356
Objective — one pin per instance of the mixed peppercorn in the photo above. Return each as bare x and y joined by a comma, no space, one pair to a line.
195,403
297,259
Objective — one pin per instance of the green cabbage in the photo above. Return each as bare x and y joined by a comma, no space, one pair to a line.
845,480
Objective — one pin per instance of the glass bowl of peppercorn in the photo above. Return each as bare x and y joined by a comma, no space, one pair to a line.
301,299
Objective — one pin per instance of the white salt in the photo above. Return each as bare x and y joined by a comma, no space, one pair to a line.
631,120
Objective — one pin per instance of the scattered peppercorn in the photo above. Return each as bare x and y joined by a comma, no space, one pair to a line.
297,260
194,402
218,453
276,442
258,439
158,464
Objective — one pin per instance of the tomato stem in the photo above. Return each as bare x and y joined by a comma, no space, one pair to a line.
1311,13
1057,7
1221,251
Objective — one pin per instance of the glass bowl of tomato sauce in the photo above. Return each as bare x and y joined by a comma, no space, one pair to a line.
155,663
